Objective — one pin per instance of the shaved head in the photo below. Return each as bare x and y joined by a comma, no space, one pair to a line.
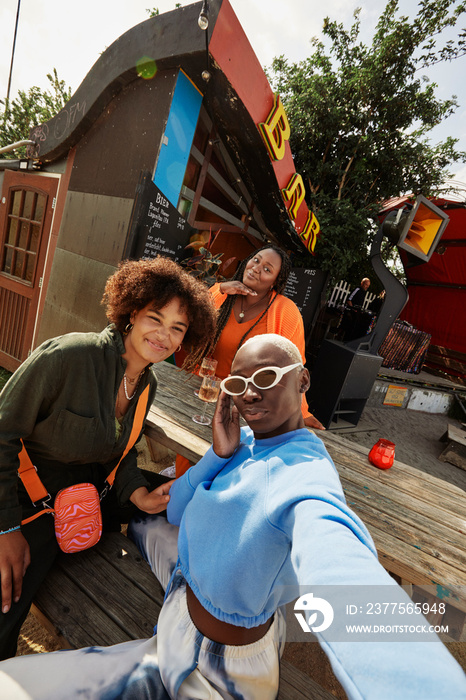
278,341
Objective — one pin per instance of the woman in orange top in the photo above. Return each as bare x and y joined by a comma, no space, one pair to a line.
249,304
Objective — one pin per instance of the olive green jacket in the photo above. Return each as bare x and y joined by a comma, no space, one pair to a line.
61,402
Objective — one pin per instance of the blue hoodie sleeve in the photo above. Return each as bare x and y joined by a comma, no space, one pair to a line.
183,489
332,553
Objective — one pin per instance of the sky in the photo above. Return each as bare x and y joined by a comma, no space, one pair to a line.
70,36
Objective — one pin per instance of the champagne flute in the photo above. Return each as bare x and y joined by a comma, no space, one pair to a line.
208,393
207,369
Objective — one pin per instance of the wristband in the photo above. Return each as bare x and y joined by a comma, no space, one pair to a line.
12,529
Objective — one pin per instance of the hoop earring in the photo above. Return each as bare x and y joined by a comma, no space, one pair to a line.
128,328
178,348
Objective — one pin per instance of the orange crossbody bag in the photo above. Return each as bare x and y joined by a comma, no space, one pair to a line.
78,519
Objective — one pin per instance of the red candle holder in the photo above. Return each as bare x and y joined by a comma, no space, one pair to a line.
382,454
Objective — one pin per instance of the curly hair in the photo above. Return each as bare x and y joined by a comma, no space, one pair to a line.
226,308
138,283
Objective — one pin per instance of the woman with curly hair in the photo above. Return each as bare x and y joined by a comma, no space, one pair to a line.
73,403
252,303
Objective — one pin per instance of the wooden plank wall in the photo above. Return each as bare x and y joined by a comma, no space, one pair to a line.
448,363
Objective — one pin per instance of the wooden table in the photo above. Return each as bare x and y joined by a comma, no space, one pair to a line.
170,418
418,521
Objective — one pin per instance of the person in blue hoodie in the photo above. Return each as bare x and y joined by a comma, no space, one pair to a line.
282,526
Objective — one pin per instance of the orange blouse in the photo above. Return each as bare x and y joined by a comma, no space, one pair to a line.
228,342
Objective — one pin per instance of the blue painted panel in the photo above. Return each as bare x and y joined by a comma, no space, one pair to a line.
179,133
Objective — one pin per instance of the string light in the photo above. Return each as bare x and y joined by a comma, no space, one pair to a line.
203,20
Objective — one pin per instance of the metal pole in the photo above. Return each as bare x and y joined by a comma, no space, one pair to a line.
17,144
395,300
12,55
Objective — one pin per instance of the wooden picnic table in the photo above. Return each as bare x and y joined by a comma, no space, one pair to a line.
417,521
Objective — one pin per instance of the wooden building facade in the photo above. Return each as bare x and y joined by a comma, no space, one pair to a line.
163,140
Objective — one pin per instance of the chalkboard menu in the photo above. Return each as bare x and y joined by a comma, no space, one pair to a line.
157,226
304,287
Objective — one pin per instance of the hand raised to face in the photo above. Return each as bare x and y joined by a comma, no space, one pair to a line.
225,427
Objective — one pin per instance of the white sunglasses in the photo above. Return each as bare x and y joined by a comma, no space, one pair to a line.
264,378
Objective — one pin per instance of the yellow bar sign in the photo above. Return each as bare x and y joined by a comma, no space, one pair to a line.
275,133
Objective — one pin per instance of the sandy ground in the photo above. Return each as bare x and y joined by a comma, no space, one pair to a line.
416,436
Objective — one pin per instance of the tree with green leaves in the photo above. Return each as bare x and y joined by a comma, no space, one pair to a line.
154,12
30,108
360,119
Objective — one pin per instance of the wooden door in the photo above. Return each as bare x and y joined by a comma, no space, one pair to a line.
26,212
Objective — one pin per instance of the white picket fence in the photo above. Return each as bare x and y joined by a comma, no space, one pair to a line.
341,292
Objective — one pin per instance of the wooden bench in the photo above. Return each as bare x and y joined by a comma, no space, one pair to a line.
108,594
455,451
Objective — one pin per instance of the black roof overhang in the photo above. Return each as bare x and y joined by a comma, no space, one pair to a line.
174,40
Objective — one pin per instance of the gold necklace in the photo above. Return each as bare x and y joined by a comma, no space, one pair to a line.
241,313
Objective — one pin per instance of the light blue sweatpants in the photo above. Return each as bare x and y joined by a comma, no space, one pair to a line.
178,662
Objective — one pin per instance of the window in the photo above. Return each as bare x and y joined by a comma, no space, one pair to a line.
213,195
23,230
